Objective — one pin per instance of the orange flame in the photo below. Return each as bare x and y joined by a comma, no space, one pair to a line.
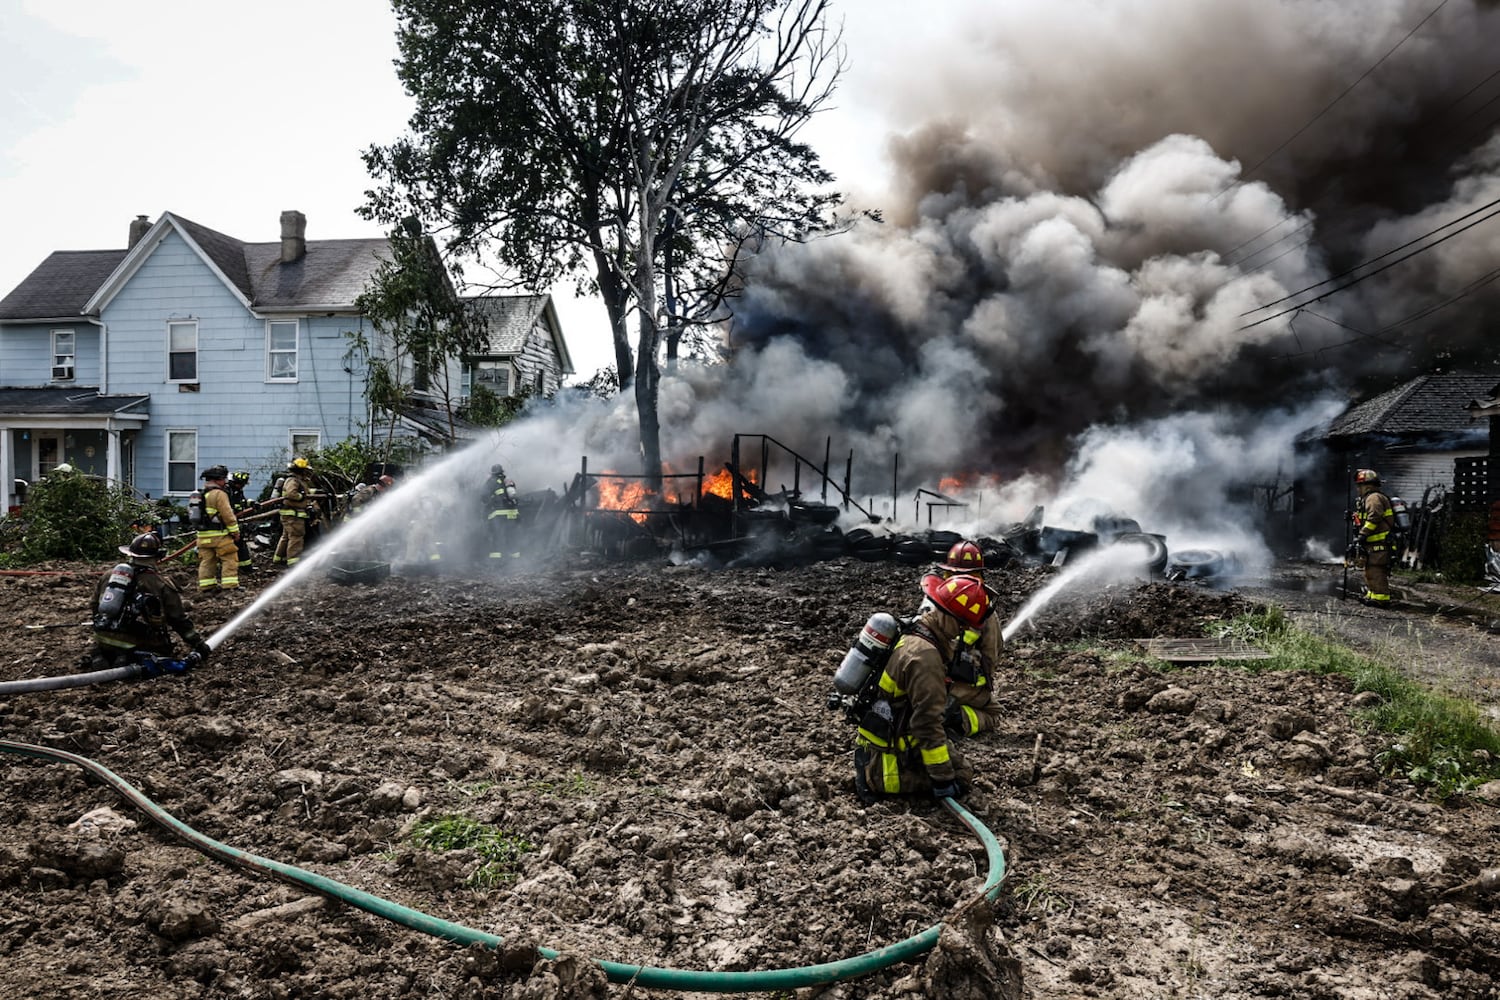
623,494
720,484
953,484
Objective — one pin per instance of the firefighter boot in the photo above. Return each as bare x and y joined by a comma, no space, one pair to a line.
862,789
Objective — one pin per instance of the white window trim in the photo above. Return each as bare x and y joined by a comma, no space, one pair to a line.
72,357
197,352
293,433
296,352
166,440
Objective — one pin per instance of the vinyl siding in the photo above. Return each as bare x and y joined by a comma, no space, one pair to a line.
1409,474
26,354
242,419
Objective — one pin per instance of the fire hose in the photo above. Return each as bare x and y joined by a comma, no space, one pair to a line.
650,977
244,520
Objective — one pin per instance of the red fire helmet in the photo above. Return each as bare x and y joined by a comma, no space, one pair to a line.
964,557
962,596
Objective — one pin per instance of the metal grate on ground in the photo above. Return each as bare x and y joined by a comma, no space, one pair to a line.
1203,650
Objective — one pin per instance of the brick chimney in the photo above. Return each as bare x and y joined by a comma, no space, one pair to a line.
139,226
293,236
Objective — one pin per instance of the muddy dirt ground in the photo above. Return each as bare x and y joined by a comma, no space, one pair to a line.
659,736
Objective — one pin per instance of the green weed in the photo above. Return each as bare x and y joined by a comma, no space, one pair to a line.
1438,740
500,851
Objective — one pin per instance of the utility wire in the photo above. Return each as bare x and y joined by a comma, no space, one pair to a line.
1372,260
1349,284
1345,93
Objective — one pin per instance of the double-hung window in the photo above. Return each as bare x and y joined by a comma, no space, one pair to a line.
281,351
182,461
182,351
64,354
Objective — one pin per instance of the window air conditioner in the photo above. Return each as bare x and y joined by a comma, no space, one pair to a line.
61,373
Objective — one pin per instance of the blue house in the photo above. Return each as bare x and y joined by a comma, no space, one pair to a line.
191,348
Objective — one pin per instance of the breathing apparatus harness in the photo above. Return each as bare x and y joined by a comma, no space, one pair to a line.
122,607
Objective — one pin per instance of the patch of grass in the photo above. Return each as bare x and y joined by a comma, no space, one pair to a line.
1438,740
1037,894
500,851
575,786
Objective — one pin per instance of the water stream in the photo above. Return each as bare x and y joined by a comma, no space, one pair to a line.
1105,565
432,500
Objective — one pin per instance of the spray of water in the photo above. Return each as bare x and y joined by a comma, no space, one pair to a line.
1107,565
438,501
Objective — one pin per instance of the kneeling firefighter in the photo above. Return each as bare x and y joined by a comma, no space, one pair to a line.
133,605
971,673
902,747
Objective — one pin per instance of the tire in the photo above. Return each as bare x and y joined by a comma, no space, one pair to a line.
1154,549
1195,564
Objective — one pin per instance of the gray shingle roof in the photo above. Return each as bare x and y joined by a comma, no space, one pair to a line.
60,285
69,401
1429,403
510,319
331,274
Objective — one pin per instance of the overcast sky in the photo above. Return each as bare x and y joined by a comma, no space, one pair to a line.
229,114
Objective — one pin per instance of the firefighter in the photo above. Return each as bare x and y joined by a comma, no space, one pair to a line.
1373,547
132,607
971,674
242,508
218,535
297,508
902,747
501,516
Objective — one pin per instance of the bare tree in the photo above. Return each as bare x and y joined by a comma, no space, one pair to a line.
627,144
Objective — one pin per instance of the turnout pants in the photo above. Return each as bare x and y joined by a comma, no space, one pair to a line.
1378,572
218,563
293,536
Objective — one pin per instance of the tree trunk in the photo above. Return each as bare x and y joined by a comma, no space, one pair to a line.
613,292
647,375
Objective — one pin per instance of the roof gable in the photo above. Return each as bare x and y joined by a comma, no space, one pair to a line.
511,318
1427,404
221,253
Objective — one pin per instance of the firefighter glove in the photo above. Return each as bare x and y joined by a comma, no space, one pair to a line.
949,790
1352,550
202,650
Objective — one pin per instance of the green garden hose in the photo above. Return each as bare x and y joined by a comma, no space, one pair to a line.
646,976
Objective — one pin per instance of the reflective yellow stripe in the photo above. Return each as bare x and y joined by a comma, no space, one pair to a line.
211,533
872,739
105,640
890,778
973,718
937,756
889,686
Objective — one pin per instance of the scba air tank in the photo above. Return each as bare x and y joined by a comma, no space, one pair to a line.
116,590
870,651
1402,515
195,508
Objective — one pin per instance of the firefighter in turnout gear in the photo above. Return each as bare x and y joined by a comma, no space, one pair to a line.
218,535
1374,543
971,675
242,507
133,606
501,516
902,747
297,508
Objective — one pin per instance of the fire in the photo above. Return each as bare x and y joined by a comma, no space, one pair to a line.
623,494
721,483
952,484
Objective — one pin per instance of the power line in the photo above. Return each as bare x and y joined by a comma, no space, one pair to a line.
1366,263
1345,93
1350,284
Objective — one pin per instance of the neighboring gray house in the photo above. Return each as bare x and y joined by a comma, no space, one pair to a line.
526,348
1420,437
190,348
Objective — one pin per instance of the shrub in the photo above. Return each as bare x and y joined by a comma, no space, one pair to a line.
75,517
